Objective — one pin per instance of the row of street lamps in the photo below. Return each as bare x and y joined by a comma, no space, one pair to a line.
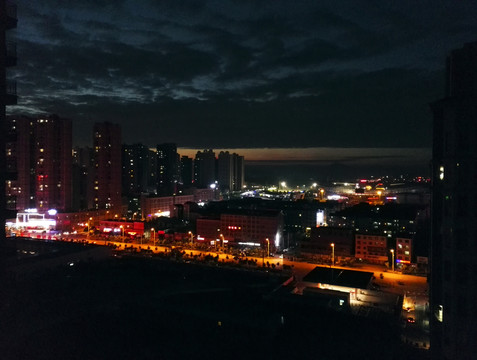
333,255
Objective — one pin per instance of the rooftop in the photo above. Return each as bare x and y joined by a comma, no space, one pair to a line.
339,277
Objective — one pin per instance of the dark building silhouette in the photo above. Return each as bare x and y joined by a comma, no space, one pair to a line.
167,169
21,159
53,163
454,213
152,175
8,21
83,178
39,152
187,171
135,173
204,168
238,177
225,170
139,171
107,154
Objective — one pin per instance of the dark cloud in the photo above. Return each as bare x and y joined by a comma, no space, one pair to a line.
241,73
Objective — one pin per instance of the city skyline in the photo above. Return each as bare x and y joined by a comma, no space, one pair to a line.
218,74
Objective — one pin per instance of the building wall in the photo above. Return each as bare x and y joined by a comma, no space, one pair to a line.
208,229
21,191
372,248
322,237
187,171
107,152
160,204
238,172
167,169
235,228
115,227
83,178
53,163
204,168
404,250
225,171
135,169
453,277
245,228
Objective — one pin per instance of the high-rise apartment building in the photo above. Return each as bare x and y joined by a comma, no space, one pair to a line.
107,155
453,281
21,159
53,163
83,178
187,171
167,169
8,21
204,168
225,170
135,172
238,178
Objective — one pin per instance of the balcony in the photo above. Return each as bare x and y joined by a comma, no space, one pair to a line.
11,11
11,93
11,59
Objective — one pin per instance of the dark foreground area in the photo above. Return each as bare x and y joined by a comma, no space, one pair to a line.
147,308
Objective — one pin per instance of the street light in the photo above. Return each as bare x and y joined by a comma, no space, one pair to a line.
268,247
392,255
222,240
332,254
191,237
89,225
122,232
283,185
153,236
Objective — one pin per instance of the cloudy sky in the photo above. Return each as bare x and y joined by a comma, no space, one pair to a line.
241,73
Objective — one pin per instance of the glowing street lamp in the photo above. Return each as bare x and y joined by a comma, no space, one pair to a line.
89,225
322,192
153,236
222,240
283,184
191,237
332,254
122,231
392,255
268,247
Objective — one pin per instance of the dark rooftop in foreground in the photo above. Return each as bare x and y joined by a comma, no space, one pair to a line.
339,277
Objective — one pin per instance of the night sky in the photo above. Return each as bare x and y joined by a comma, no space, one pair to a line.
236,74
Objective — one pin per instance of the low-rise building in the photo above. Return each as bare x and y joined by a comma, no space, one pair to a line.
240,227
322,237
372,248
120,227
403,250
